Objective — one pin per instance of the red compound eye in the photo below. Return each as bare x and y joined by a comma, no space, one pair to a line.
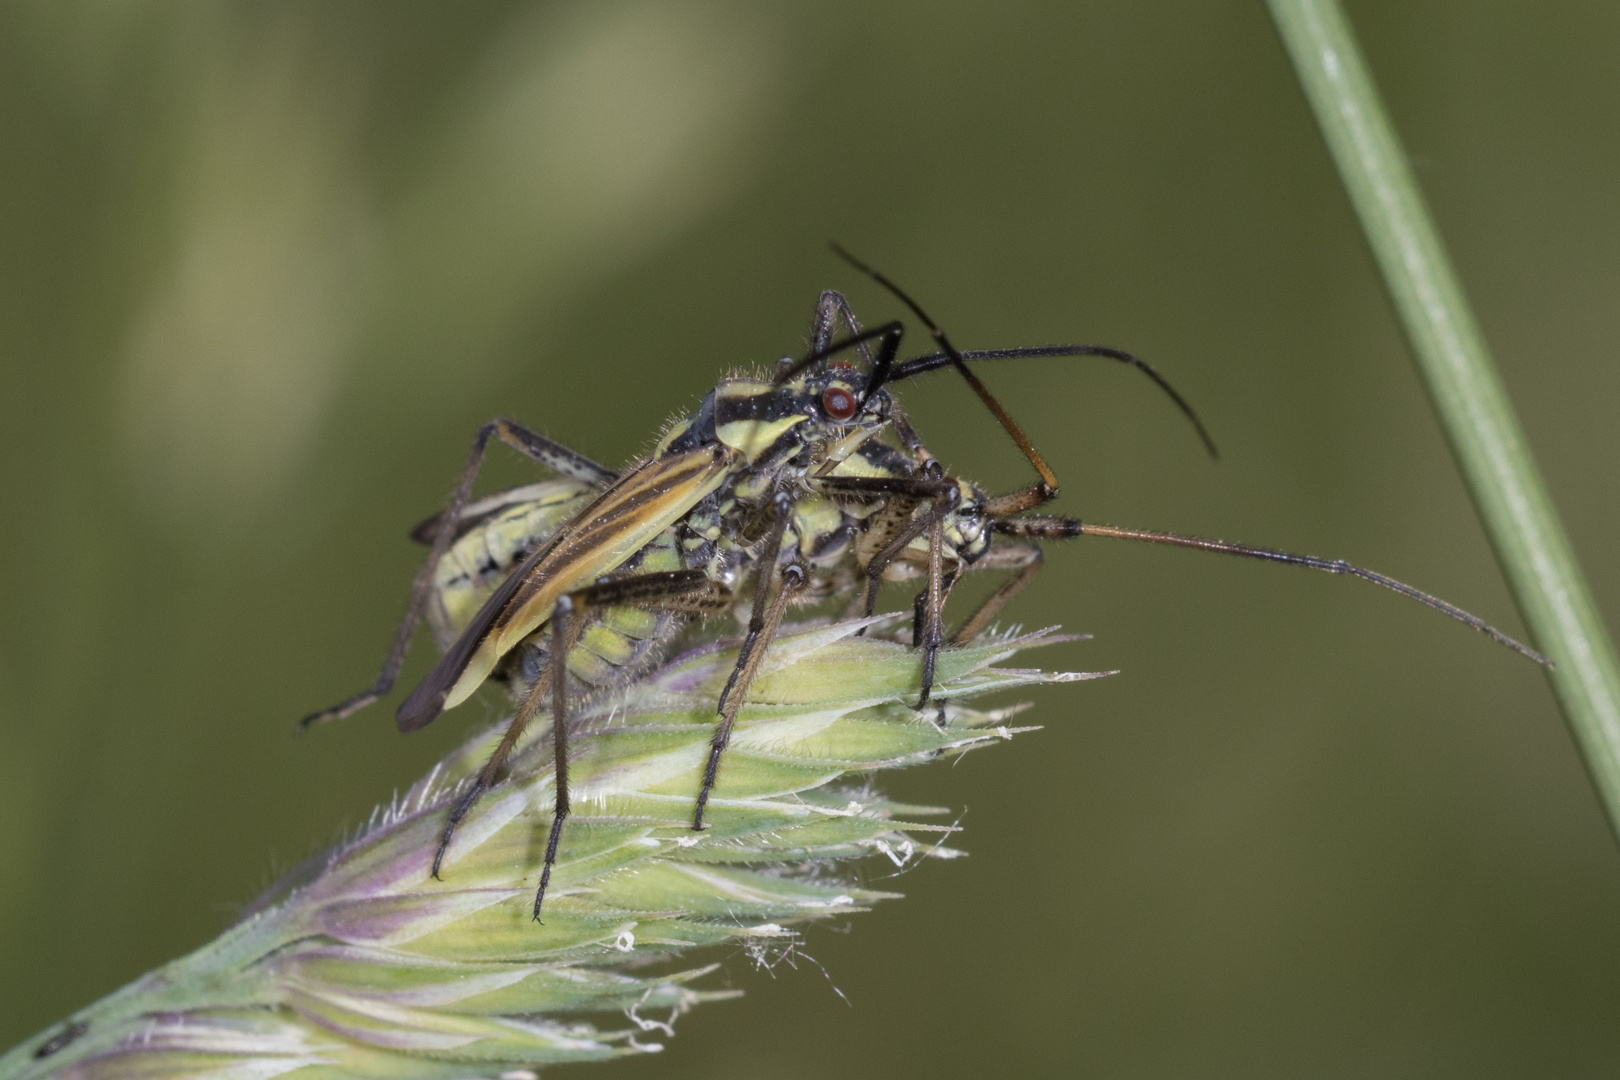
839,403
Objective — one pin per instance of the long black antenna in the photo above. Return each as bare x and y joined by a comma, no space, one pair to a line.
935,361
1049,480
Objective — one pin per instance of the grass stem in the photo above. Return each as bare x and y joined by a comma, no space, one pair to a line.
1456,366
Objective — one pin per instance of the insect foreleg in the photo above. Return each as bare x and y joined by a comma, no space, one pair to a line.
905,432
945,498
892,527
890,332
531,444
793,578
919,604
1017,502
831,309
782,509
762,623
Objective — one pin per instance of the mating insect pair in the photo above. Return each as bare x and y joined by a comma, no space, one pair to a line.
786,483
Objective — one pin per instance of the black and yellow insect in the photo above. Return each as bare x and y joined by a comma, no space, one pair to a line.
498,532
786,482
676,533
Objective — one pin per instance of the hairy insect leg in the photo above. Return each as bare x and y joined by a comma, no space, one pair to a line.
680,590
793,578
894,525
486,776
559,741
1028,558
1016,502
919,604
933,609
944,497
530,444
758,618
831,309
782,511
997,600
919,608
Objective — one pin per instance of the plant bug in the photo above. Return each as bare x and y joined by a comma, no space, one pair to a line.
785,481
719,491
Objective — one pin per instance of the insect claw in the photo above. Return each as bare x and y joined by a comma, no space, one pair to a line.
540,893
344,708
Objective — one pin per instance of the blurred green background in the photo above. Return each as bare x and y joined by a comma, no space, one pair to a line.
264,269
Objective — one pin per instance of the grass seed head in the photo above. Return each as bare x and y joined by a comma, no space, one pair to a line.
361,965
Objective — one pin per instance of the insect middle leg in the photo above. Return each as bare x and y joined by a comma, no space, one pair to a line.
530,444
933,606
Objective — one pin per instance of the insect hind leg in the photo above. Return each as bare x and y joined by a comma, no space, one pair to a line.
530,444
486,776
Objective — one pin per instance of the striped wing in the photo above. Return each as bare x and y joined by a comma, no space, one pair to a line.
622,520
501,535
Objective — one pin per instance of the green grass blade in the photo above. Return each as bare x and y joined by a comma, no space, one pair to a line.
1457,369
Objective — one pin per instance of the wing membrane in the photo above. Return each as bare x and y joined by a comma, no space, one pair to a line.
623,520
